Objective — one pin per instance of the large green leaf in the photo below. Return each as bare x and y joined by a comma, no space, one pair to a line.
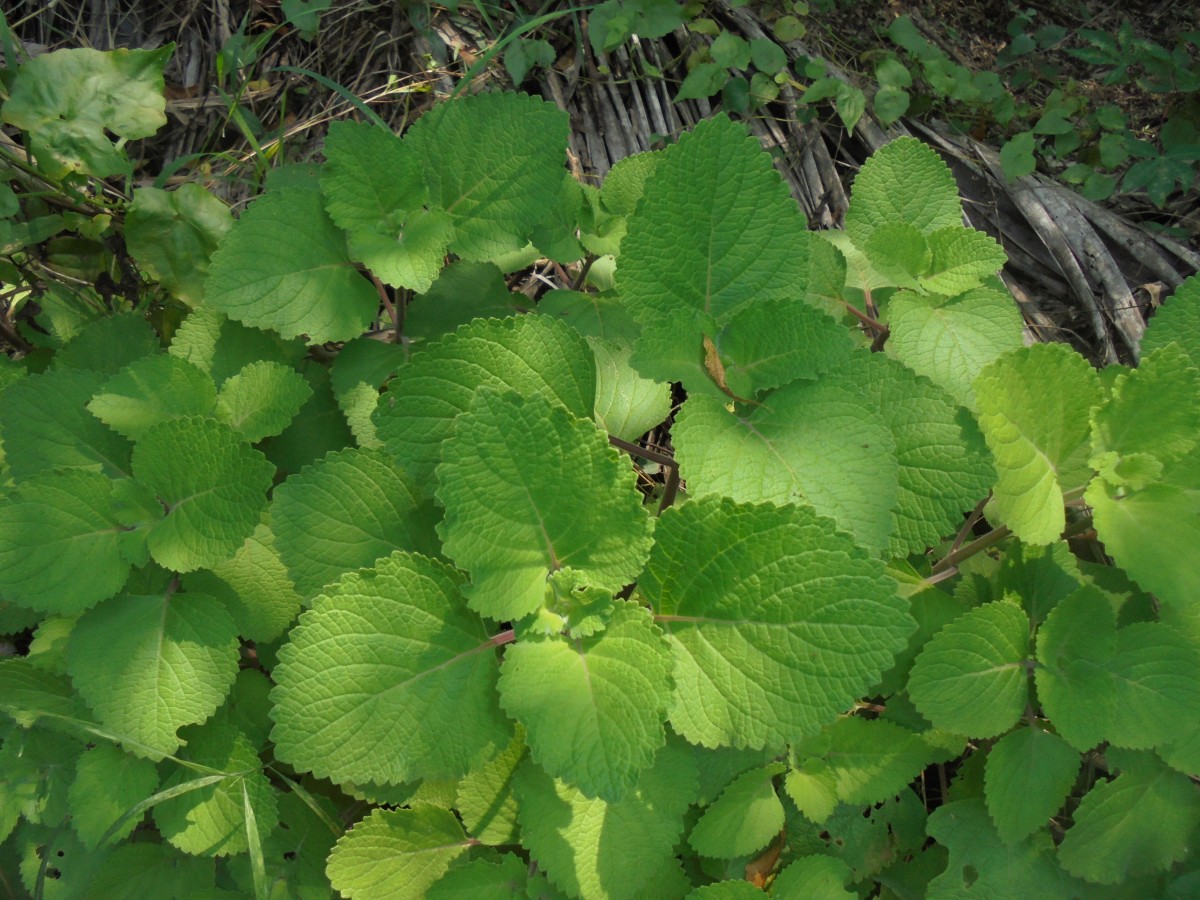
778,621
1034,407
494,162
54,527
150,390
388,678
396,853
485,799
594,708
261,399
212,485
108,782
515,474
284,267
73,102
345,511
148,665
1178,321
592,848
527,354
971,678
1028,775
745,818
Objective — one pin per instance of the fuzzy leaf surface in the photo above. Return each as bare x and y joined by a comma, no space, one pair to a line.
1028,775
593,708
527,354
212,484
107,783
903,181
1034,407
1177,321
514,475
284,267
388,678
262,399
485,799
745,818
591,848
148,665
778,621
397,853
961,259
494,162
150,390
52,527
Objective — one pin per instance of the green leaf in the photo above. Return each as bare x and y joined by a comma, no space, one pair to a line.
1034,406
429,712
704,80
254,585
982,864
1016,156
396,853
627,405
358,373
211,820
591,848
107,783
371,179
716,228
961,259
745,818
1177,321
971,678
484,879
485,799
528,354
593,708
148,665
222,347
775,634
869,760
767,56
52,528
71,101
45,427
319,428
950,340
174,234
1141,822
1028,775
212,485
108,345
31,694
813,788
262,399
903,181
463,291
890,103
150,390
514,475
494,162
284,267
345,511
524,54
814,876
819,443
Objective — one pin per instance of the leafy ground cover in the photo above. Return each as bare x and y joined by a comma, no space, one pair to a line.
740,557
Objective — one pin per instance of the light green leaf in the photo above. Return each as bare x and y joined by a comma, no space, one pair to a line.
254,586
1027,777
485,799
775,633
494,162
52,528
950,340
1034,406
814,876
971,678
899,252
625,182
1177,321
361,368
745,818
484,879
284,267
173,235
345,511
398,853
704,80
45,427
222,347
961,259
411,256
429,712
107,783
71,101
819,443
903,181
590,848
150,390
370,179
982,864
716,228
29,694
813,788
211,820
593,708
528,354
212,484
627,405
262,399
514,475
1141,822
148,665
